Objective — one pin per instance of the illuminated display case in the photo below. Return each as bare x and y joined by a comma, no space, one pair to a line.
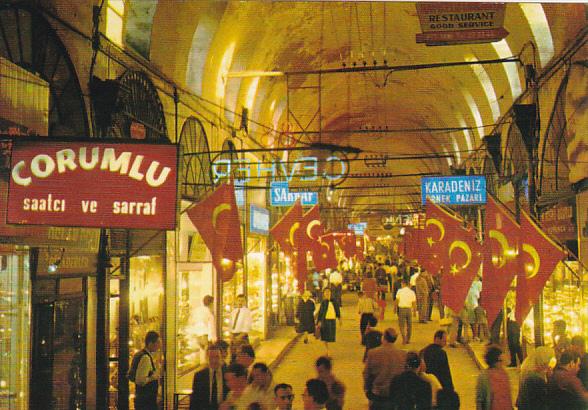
565,297
15,308
256,284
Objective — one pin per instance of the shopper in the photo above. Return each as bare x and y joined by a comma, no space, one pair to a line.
305,315
241,320
406,303
429,378
245,356
578,345
436,359
513,334
145,374
327,317
533,380
366,307
382,365
408,390
205,325
260,385
315,394
565,389
336,388
283,397
208,387
424,287
493,385
236,379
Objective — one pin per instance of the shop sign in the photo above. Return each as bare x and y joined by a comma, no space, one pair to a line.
259,219
281,196
397,220
455,190
93,184
53,262
460,23
303,169
559,222
359,228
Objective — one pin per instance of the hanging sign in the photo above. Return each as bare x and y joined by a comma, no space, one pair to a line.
359,228
455,190
559,222
281,196
259,219
93,184
460,23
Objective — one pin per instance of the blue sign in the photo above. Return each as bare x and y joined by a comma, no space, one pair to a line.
240,193
259,220
455,190
281,195
359,227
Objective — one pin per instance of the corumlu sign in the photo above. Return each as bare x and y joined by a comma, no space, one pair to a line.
93,184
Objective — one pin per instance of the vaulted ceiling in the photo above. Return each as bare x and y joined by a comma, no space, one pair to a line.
215,46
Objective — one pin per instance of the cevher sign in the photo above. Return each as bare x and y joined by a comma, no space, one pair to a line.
454,190
93,184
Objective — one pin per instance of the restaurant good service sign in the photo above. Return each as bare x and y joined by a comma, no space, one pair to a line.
93,184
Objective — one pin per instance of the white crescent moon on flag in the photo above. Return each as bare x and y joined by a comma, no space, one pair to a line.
501,239
311,224
217,210
438,224
466,248
530,249
293,230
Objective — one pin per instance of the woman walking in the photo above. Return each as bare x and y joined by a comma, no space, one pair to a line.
366,307
327,317
305,315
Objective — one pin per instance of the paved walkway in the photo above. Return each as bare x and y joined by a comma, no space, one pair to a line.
298,364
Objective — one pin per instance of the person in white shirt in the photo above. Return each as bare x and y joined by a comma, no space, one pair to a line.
146,374
238,398
241,320
406,303
205,325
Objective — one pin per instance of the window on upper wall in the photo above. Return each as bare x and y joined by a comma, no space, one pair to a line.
115,11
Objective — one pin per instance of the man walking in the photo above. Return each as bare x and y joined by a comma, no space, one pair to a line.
284,396
241,320
406,302
409,390
145,374
208,387
436,359
382,365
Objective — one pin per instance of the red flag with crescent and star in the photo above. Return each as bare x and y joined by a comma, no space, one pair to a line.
501,244
217,220
538,256
323,254
346,241
284,230
463,259
434,239
309,231
359,250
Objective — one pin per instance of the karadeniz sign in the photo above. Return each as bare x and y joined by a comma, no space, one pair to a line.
455,190
281,195
259,219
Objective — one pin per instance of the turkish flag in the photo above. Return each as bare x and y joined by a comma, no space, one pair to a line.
284,230
359,250
501,244
309,231
323,253
346,241
411,239
538,256
433,246
463,259
217,219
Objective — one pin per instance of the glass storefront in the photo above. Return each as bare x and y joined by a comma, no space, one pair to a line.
256,284
15,318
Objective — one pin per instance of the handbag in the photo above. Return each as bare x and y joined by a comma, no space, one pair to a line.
317,330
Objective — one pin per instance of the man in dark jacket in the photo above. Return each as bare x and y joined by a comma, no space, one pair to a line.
409,390
436,359
209,388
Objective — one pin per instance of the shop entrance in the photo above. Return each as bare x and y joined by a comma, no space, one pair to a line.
58,366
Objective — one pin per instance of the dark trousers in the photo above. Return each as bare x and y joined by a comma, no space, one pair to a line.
405,323
363,322
514,346
495,329
146,396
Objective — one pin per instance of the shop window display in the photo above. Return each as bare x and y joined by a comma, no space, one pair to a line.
256,290
15,308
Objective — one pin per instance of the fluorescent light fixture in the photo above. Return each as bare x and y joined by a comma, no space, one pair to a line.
503,50
466,133
487,85
223,70
475,111
535,15
251,91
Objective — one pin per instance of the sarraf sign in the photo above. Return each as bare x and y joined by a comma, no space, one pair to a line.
460,23
457,190
92,184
